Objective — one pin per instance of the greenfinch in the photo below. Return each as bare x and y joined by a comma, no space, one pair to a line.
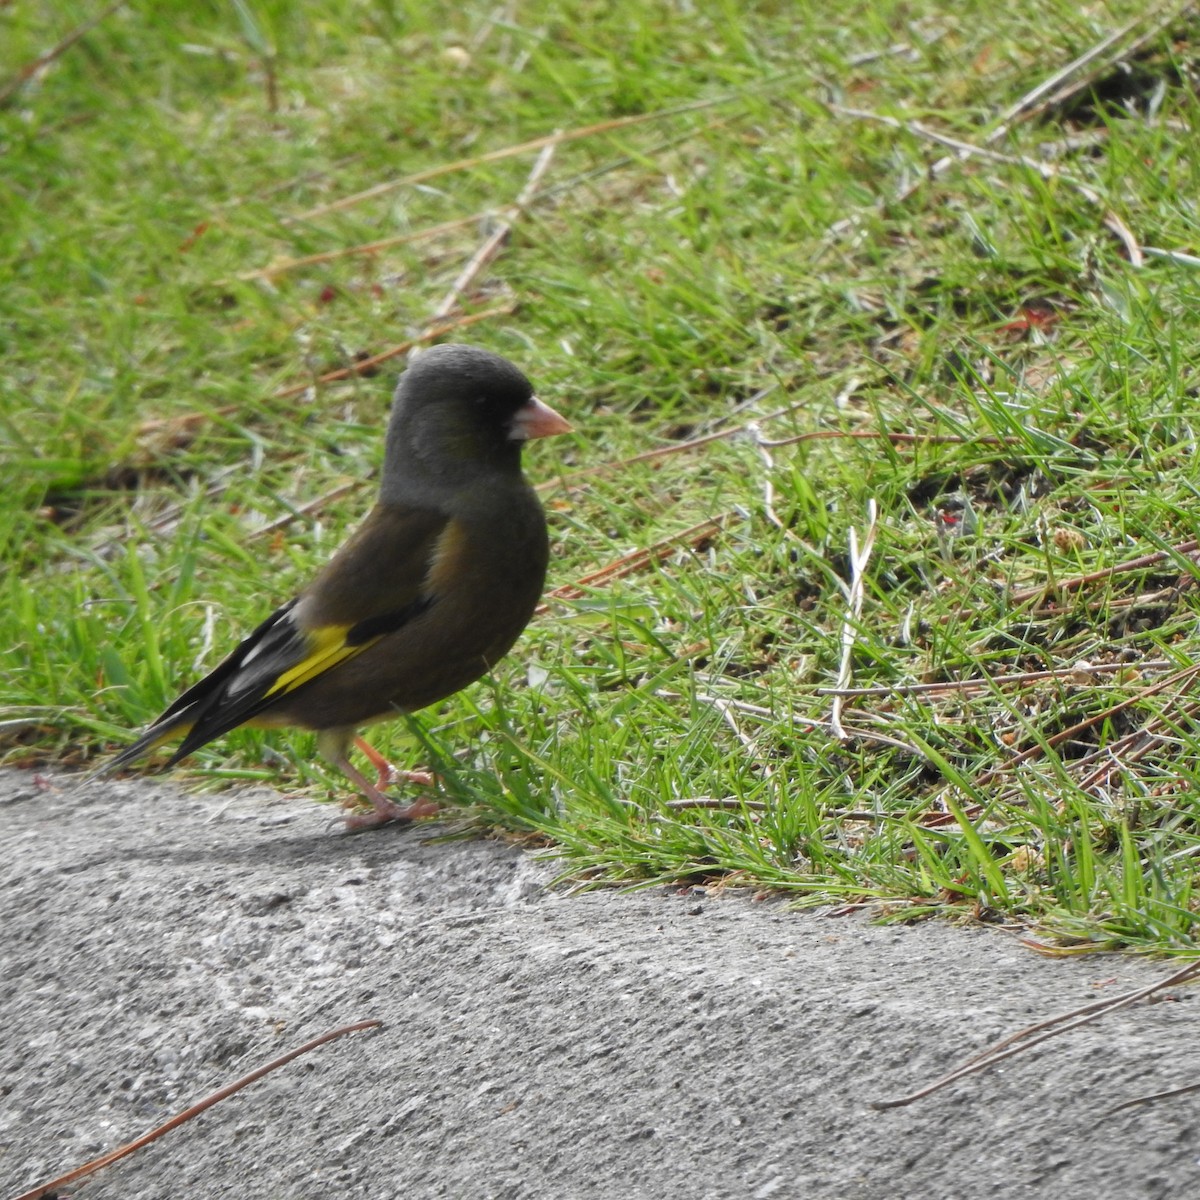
425,597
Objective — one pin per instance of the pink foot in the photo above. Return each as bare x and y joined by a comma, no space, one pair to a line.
384,811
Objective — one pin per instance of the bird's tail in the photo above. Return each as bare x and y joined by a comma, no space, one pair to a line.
158,733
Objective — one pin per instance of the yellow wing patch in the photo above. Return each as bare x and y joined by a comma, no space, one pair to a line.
326,648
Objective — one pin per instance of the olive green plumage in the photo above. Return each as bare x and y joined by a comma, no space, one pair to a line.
425,597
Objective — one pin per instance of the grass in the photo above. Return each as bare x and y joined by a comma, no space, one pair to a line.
754,246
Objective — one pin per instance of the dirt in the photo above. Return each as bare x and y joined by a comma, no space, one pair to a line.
156,945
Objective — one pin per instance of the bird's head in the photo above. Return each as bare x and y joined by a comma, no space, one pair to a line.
460,410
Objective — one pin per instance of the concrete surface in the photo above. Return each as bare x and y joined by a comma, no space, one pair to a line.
156,945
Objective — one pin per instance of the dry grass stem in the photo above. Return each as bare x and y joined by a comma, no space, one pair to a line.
898,439
635,560
366,248
1179,550
308,508
1033,1035
491,246
182,1118
720,803
854,602
1043,98
1065,735
465,164
1065,673
366,365
1147,1099
35,68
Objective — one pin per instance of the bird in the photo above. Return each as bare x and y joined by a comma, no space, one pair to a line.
424,598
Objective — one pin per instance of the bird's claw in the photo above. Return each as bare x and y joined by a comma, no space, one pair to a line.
384,811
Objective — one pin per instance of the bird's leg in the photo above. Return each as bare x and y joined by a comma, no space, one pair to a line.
385,810
335,744
388,773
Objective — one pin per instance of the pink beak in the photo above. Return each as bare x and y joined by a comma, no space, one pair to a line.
536,420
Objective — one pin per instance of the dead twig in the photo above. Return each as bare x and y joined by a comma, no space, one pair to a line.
545,194
721,803
305,510
805,724
675,448
464,164
364,248
1124,235
1036,102
901,439
39,64
491,246
635,560
1065,674
768,485
855,733
964,150
1132,748
1079,727
368,364
1176,256
1179,1091
181,1118
1130,564
896,49
898,439
726,709
1033,1035
1120,603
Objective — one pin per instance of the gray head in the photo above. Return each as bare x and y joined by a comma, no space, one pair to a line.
460,411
